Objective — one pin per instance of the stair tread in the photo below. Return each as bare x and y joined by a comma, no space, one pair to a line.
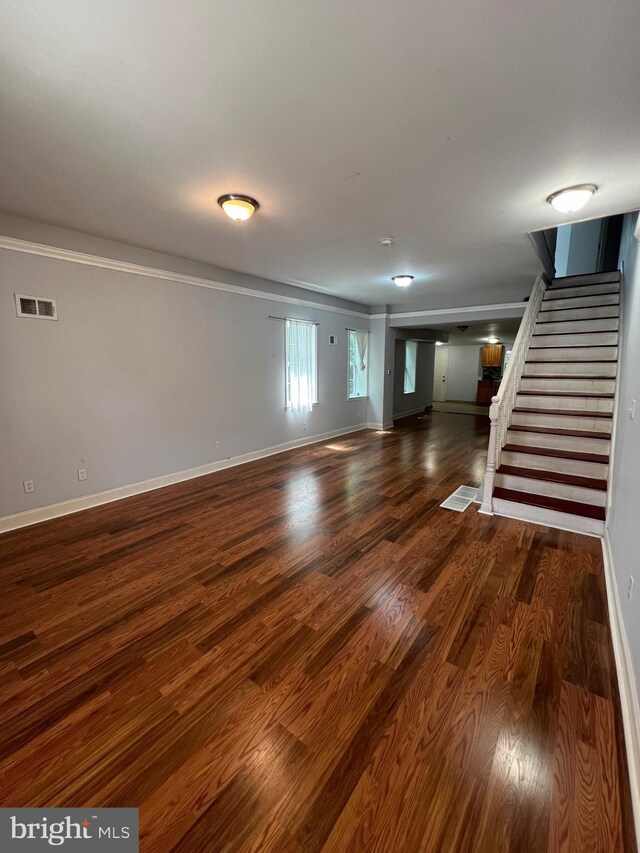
554,477
558,504
589,376
578,307
574,433
559,454
574,413
551,299
575,346
581,319
592,332
559,278
592,395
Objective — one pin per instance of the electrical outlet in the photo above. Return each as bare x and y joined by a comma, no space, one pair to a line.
218,445
632,409
630,587
28,486
82,473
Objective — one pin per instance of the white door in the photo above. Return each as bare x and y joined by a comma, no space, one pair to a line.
440,375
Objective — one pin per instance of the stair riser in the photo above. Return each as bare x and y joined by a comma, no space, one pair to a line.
594,497
537,515
579,314
595,386
559,442
581,301
592,339
597,470
561,421
568,353
555,293
577,368
543,328
581,280
578,404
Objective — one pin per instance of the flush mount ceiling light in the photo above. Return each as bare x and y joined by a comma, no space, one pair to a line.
238,207
493,340
402,280
439,343
385,242
572,199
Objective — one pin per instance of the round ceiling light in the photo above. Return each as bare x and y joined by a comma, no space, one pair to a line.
572,199
493,340
238,207
402,280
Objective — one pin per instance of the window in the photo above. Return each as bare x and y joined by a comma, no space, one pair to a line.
301,357
507,356
410,362
358,363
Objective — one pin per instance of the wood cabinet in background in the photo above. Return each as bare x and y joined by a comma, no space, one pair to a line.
492,355
486,390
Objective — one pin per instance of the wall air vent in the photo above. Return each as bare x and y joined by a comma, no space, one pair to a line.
36,306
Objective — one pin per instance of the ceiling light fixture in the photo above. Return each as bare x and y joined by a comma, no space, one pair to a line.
402,280
493,340
439,343
572,199
385,242
238,207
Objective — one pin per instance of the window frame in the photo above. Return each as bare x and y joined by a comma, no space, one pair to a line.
366,395
415,367
314,327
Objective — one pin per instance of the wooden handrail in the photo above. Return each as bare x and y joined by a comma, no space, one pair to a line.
503,402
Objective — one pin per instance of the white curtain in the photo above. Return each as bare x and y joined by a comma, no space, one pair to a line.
301,365
362,340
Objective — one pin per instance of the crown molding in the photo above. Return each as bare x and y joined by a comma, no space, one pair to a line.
15,245
436,312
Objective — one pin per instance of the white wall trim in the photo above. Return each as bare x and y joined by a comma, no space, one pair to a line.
379,316
418,411
380,426
44,513
26,246
627,687
616,393
435,312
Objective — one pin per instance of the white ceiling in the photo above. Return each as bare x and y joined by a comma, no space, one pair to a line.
442,123
477,333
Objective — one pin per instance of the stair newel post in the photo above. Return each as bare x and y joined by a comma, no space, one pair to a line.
492,454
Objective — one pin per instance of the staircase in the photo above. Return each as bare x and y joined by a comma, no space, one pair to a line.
554,462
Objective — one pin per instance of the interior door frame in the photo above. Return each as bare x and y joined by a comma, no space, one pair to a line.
443,352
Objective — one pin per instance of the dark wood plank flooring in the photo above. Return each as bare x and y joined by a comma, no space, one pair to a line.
306,653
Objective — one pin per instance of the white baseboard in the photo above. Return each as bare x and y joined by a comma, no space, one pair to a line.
627,687
418,411
44,513
380,426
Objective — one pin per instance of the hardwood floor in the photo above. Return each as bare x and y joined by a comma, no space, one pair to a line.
306,653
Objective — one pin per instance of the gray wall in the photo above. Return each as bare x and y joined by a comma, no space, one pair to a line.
577,247
140,376
463,372
624,530
562,249
423,396
381,367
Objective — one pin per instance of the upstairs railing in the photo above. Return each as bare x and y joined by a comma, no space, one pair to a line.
502,404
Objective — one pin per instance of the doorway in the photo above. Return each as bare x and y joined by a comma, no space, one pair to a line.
440,365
